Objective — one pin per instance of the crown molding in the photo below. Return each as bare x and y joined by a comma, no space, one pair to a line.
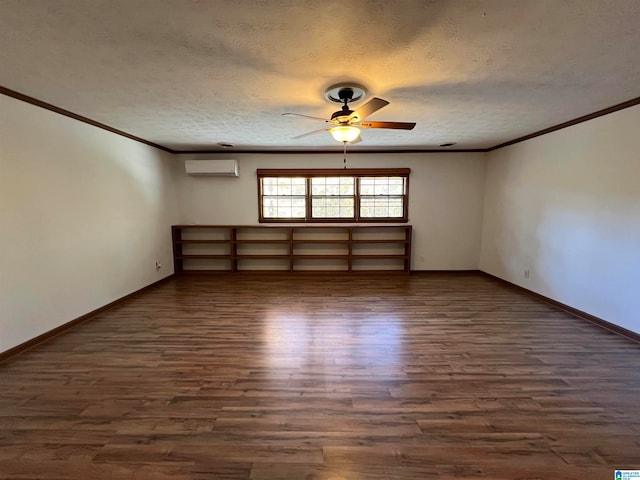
47,106
605,111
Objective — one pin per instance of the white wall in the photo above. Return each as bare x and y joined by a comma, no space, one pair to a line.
84,215
567,206
445,198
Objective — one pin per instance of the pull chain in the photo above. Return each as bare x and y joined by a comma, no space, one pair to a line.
345,155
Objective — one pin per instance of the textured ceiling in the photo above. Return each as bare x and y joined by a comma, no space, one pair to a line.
189,74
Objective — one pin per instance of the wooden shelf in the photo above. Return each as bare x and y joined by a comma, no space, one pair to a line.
320,256
326,242
262,241
304,248
373,257
378,241
200,257
203,241
262,257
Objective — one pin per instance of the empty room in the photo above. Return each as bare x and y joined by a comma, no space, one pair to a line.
320,240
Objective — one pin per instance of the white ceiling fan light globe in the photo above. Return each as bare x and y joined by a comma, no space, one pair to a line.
345,133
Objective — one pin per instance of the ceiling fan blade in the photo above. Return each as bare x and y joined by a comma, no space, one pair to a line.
395,125
305,116
313,132
367,109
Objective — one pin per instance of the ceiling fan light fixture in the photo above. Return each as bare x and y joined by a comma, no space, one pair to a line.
345,133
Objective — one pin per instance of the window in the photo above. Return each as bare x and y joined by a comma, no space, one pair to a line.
333,195
382,197
284,197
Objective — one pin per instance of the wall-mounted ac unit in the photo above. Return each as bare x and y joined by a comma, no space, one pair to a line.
212,168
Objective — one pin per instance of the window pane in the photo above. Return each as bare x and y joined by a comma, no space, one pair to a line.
318,207
298,186
269,190
395,212
332,185
382,197
298,189
396,186
366,186
347,185
332,197
332,207
284,212
346,207
318,186
333,212
284,189
283,197
283,207
381,207
382,186
366,203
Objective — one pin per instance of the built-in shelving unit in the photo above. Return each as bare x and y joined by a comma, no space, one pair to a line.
212,248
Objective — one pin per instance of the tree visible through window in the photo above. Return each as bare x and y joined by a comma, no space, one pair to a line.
331,195
284,197
382,197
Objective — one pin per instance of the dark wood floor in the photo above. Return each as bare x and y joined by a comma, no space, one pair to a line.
402,377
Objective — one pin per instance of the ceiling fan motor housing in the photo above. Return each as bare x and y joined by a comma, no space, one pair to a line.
344,93
345,112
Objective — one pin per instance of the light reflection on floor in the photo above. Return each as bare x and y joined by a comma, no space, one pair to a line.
296,339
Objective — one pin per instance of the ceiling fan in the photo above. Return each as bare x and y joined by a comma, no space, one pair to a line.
346,123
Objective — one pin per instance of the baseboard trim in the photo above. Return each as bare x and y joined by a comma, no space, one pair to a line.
46,336
612,327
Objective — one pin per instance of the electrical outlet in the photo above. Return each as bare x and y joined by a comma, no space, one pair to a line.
158,266
527,273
